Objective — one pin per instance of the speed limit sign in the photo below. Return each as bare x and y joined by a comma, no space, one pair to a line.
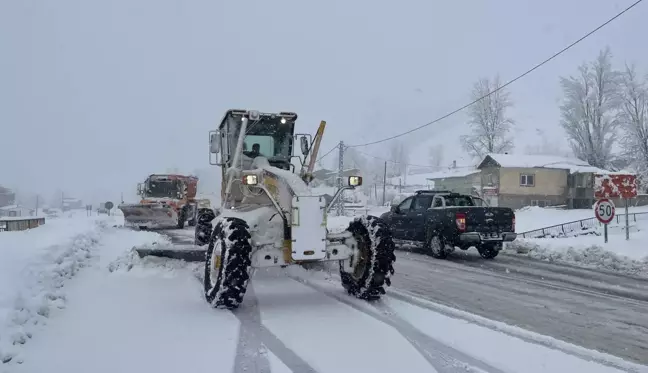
604,210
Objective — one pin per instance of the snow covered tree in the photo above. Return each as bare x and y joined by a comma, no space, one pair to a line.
435,154
544,146
488,121
589,110
633,119
399,156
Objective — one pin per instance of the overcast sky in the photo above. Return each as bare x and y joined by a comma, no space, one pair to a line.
95,95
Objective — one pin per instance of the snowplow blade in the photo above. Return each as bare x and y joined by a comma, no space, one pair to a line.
154,215
188,253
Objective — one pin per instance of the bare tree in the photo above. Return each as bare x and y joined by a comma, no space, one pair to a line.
544,146
633,118
488,121
589,110
436,155
399,158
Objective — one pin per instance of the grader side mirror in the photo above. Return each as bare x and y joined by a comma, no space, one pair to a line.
214,143
355,181
304,145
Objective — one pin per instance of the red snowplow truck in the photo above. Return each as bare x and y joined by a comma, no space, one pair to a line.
168,201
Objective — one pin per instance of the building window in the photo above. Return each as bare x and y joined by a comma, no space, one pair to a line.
527,180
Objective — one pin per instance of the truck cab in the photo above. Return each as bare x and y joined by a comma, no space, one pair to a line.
454,219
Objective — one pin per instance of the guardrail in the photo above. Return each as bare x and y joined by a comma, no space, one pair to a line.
20,224
583,225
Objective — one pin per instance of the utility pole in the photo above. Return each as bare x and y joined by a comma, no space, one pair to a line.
36,205
384,183
340,206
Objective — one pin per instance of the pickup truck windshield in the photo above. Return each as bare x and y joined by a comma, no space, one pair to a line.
459,201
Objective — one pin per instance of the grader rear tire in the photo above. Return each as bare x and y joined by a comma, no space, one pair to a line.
226,280
376,263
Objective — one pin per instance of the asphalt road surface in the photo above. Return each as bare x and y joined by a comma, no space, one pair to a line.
603,311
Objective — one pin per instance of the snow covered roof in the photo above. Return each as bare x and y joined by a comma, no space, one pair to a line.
453,172
574,165
425,178
10,207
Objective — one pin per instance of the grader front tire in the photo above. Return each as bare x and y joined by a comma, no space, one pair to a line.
226,284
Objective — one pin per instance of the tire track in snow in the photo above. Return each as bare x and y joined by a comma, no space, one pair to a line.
254,338
443,358
250,351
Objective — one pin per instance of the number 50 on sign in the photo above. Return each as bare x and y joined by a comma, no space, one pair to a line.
604,210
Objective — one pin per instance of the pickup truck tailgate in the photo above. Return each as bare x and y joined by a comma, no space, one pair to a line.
487,219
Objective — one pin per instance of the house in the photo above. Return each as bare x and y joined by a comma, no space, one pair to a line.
410,182
464,180
514,180
7,197
14,211
72,204
329,177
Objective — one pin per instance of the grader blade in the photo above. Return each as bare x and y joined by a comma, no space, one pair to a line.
187,253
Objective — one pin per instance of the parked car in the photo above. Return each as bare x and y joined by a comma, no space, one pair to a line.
443,220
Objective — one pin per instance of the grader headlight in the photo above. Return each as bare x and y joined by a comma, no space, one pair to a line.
250,180
355,181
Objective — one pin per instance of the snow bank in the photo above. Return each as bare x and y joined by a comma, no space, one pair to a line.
37,263
532,217
591,251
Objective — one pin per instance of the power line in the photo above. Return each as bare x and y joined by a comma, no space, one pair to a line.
506,84
327,153
410,164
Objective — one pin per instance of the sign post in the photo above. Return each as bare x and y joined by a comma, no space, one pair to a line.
109,205
604,212
617,185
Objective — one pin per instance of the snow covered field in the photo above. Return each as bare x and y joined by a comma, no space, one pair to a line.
530,218
37,263
75,299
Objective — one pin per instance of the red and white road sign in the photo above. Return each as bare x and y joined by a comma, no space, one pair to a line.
604,210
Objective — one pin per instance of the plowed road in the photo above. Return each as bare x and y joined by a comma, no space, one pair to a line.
599,310
604,311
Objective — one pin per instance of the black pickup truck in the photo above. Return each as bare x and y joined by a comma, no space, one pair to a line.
443,220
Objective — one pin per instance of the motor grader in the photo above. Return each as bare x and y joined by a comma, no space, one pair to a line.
270,216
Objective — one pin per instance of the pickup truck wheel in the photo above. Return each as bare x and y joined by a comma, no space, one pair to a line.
489,250
435,246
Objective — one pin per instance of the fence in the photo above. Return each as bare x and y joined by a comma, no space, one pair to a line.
20,224
582,226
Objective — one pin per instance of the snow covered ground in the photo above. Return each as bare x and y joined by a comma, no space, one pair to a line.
530,218
591,251
76,299
37,263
